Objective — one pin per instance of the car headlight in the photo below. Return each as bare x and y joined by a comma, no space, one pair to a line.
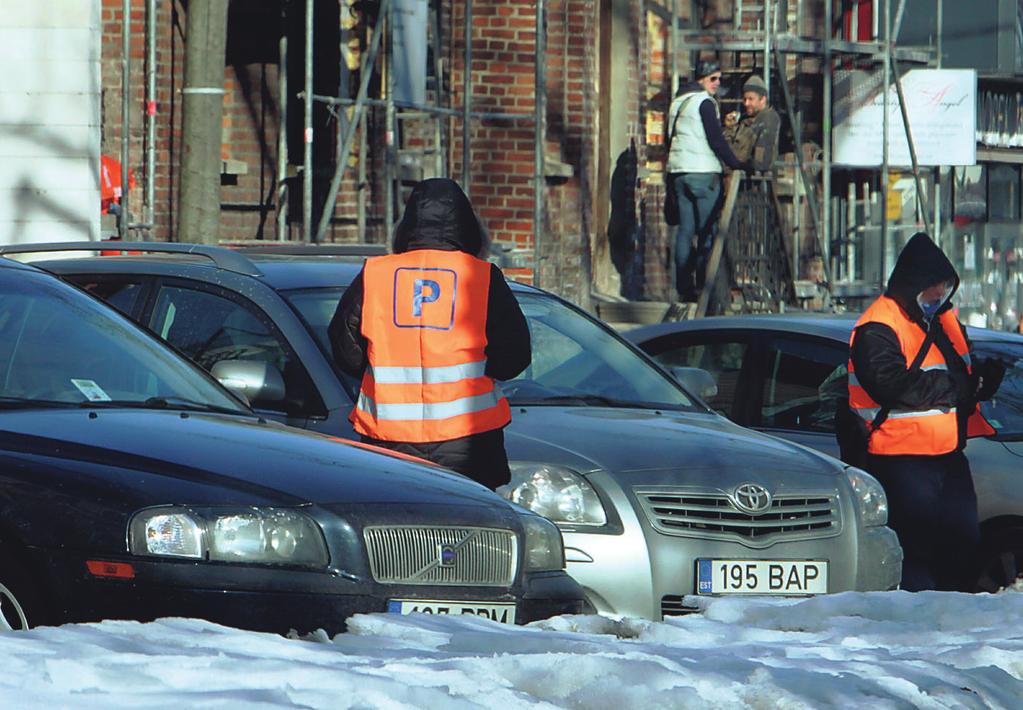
554,492
545,550
872,499
272,536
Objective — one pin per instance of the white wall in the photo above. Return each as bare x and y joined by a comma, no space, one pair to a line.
49,120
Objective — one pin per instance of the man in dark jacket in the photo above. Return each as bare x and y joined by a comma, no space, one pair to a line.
429,328
919,417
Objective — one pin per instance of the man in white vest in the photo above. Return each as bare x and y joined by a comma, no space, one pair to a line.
696,150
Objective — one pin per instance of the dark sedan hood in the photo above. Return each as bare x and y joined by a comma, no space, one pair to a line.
225,459
634,441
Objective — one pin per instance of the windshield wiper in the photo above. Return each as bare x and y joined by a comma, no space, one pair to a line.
161,403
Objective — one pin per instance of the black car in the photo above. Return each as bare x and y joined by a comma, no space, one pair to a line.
134,486
653,492
784,375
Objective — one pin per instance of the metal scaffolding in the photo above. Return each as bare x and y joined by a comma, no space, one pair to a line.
763,34
379,59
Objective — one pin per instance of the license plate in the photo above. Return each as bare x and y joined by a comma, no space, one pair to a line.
793,577
504,613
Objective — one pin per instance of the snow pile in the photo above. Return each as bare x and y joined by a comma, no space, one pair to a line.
877,650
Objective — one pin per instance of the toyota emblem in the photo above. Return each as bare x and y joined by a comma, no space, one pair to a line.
751,498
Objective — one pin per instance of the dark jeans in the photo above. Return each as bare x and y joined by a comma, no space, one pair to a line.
698,196
481,456
933,508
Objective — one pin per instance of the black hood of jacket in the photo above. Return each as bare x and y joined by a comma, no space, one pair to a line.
921,264
438,215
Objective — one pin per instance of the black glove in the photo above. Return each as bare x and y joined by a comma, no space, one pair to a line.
989,373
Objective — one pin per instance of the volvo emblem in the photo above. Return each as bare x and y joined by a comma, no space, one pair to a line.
447,555
751,498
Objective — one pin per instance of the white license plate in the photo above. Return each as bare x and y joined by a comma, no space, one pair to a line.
792,577
504,613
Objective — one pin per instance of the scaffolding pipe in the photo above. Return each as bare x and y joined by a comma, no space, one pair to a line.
123,218
466,94
150,168
767,48
360,103
439,110
307,128
539,107
921,196
282,129
826,218
390,127
797,134
885,83
674,49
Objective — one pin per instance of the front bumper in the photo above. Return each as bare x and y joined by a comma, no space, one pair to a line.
268,599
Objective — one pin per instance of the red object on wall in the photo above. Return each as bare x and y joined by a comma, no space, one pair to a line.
110,183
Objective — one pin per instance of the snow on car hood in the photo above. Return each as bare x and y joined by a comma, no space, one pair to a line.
652,444
226,458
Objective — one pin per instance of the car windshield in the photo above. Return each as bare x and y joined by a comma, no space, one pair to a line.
1005,410
575,360
59,347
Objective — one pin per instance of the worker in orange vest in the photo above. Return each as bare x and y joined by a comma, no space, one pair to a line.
915,386
429,329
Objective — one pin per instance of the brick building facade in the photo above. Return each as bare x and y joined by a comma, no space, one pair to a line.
606,86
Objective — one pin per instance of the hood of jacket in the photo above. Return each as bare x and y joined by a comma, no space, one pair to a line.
438,215
921,264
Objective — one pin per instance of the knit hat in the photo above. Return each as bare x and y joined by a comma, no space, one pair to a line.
706,68
756,85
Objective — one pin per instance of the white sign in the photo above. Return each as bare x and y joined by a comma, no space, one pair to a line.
942,109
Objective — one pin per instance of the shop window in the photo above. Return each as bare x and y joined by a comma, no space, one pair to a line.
1003,193
969,194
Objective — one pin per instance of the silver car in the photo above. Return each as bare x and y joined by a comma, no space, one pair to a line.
657,495
783,375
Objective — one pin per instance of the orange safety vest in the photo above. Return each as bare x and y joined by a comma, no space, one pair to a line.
424,316
930,432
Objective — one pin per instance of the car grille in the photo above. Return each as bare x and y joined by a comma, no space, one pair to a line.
442,555
714,515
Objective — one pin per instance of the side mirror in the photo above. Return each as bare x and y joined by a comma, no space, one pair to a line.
696,380
255,381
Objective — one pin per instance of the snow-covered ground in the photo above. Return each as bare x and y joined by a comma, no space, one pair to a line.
874,650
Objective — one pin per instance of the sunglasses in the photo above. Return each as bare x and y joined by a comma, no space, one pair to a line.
714,78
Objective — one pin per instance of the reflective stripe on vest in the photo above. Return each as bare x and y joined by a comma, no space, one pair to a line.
431,411
925,432
424,319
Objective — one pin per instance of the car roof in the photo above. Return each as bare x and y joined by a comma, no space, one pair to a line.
282,266
16,265
835,326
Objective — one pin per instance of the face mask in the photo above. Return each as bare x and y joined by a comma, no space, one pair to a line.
930,309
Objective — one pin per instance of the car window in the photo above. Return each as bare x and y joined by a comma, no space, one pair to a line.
122,295
58,346
573,356
1004,410
803,382
722,357
210,328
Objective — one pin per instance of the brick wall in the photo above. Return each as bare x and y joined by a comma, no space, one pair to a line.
501,185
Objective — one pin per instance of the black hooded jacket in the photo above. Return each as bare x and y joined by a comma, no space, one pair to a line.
438,215
881,366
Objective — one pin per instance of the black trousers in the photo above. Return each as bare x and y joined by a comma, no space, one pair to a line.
933,508
481,456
